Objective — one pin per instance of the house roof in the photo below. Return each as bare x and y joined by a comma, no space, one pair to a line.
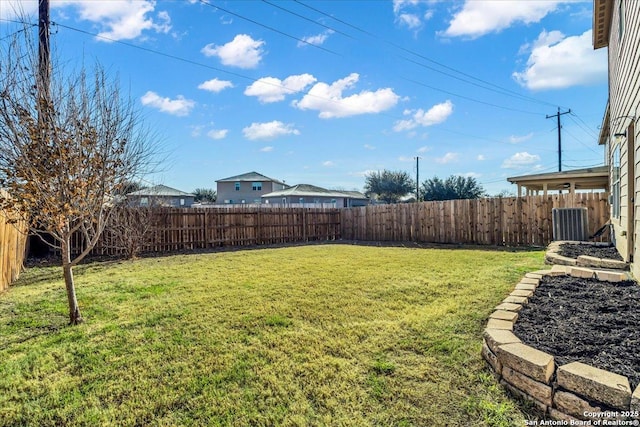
595,178
355,194
250,176
604,128
308,190
159,190
601,22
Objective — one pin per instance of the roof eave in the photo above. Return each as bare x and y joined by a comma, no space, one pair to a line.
604,128
601,22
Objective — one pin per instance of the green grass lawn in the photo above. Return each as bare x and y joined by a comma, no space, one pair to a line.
335,335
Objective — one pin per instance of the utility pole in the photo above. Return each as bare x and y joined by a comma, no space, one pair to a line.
557,115
44,53
417,178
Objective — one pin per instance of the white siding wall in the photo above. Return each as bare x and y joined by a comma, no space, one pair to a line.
624,100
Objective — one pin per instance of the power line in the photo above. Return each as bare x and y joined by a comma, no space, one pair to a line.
306,19
469,98
582,125
199,64
496,88
210,67
204,2
253,21
306,93
580,141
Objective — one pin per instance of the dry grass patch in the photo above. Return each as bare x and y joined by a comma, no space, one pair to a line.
313,335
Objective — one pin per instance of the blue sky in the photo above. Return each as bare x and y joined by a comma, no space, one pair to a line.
322,92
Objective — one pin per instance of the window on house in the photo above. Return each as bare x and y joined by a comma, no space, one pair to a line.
615,182
620,19
181,202
237,186
256,186
144,201
301,199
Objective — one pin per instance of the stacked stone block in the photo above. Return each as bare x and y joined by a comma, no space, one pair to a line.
570,392
553,257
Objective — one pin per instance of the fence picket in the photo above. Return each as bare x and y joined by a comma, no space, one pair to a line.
13,241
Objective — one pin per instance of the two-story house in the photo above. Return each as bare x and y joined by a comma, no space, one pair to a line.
247,188
616,26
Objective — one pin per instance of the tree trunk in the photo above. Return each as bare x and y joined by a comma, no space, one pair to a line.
75,317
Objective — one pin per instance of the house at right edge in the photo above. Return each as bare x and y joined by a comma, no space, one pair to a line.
616,26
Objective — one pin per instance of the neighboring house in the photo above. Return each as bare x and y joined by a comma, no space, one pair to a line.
160,196
306,195
616,26
247,188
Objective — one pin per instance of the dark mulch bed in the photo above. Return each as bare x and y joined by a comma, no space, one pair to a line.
585,320
574,250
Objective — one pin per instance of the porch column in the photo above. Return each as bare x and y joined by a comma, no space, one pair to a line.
572,192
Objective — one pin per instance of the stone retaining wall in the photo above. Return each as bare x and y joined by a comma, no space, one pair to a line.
570,392
553,257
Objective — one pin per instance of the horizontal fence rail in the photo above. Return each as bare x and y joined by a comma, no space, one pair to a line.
13,240
512,221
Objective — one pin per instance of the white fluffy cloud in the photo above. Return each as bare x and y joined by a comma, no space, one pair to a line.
241,52
409,20
558,62
178,107
520,160
328,99
435,115
122,20
408,13
215,85
269,130
10,9
516,139
116,20
218,133
271,89
477,18
448,158
317,40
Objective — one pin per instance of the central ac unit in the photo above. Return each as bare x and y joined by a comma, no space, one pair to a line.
570,224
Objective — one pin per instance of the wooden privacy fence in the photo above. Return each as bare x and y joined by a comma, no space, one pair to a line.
497,221
13,239
174,229
525,221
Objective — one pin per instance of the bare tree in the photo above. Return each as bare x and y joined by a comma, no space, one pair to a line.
65,155
130,229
